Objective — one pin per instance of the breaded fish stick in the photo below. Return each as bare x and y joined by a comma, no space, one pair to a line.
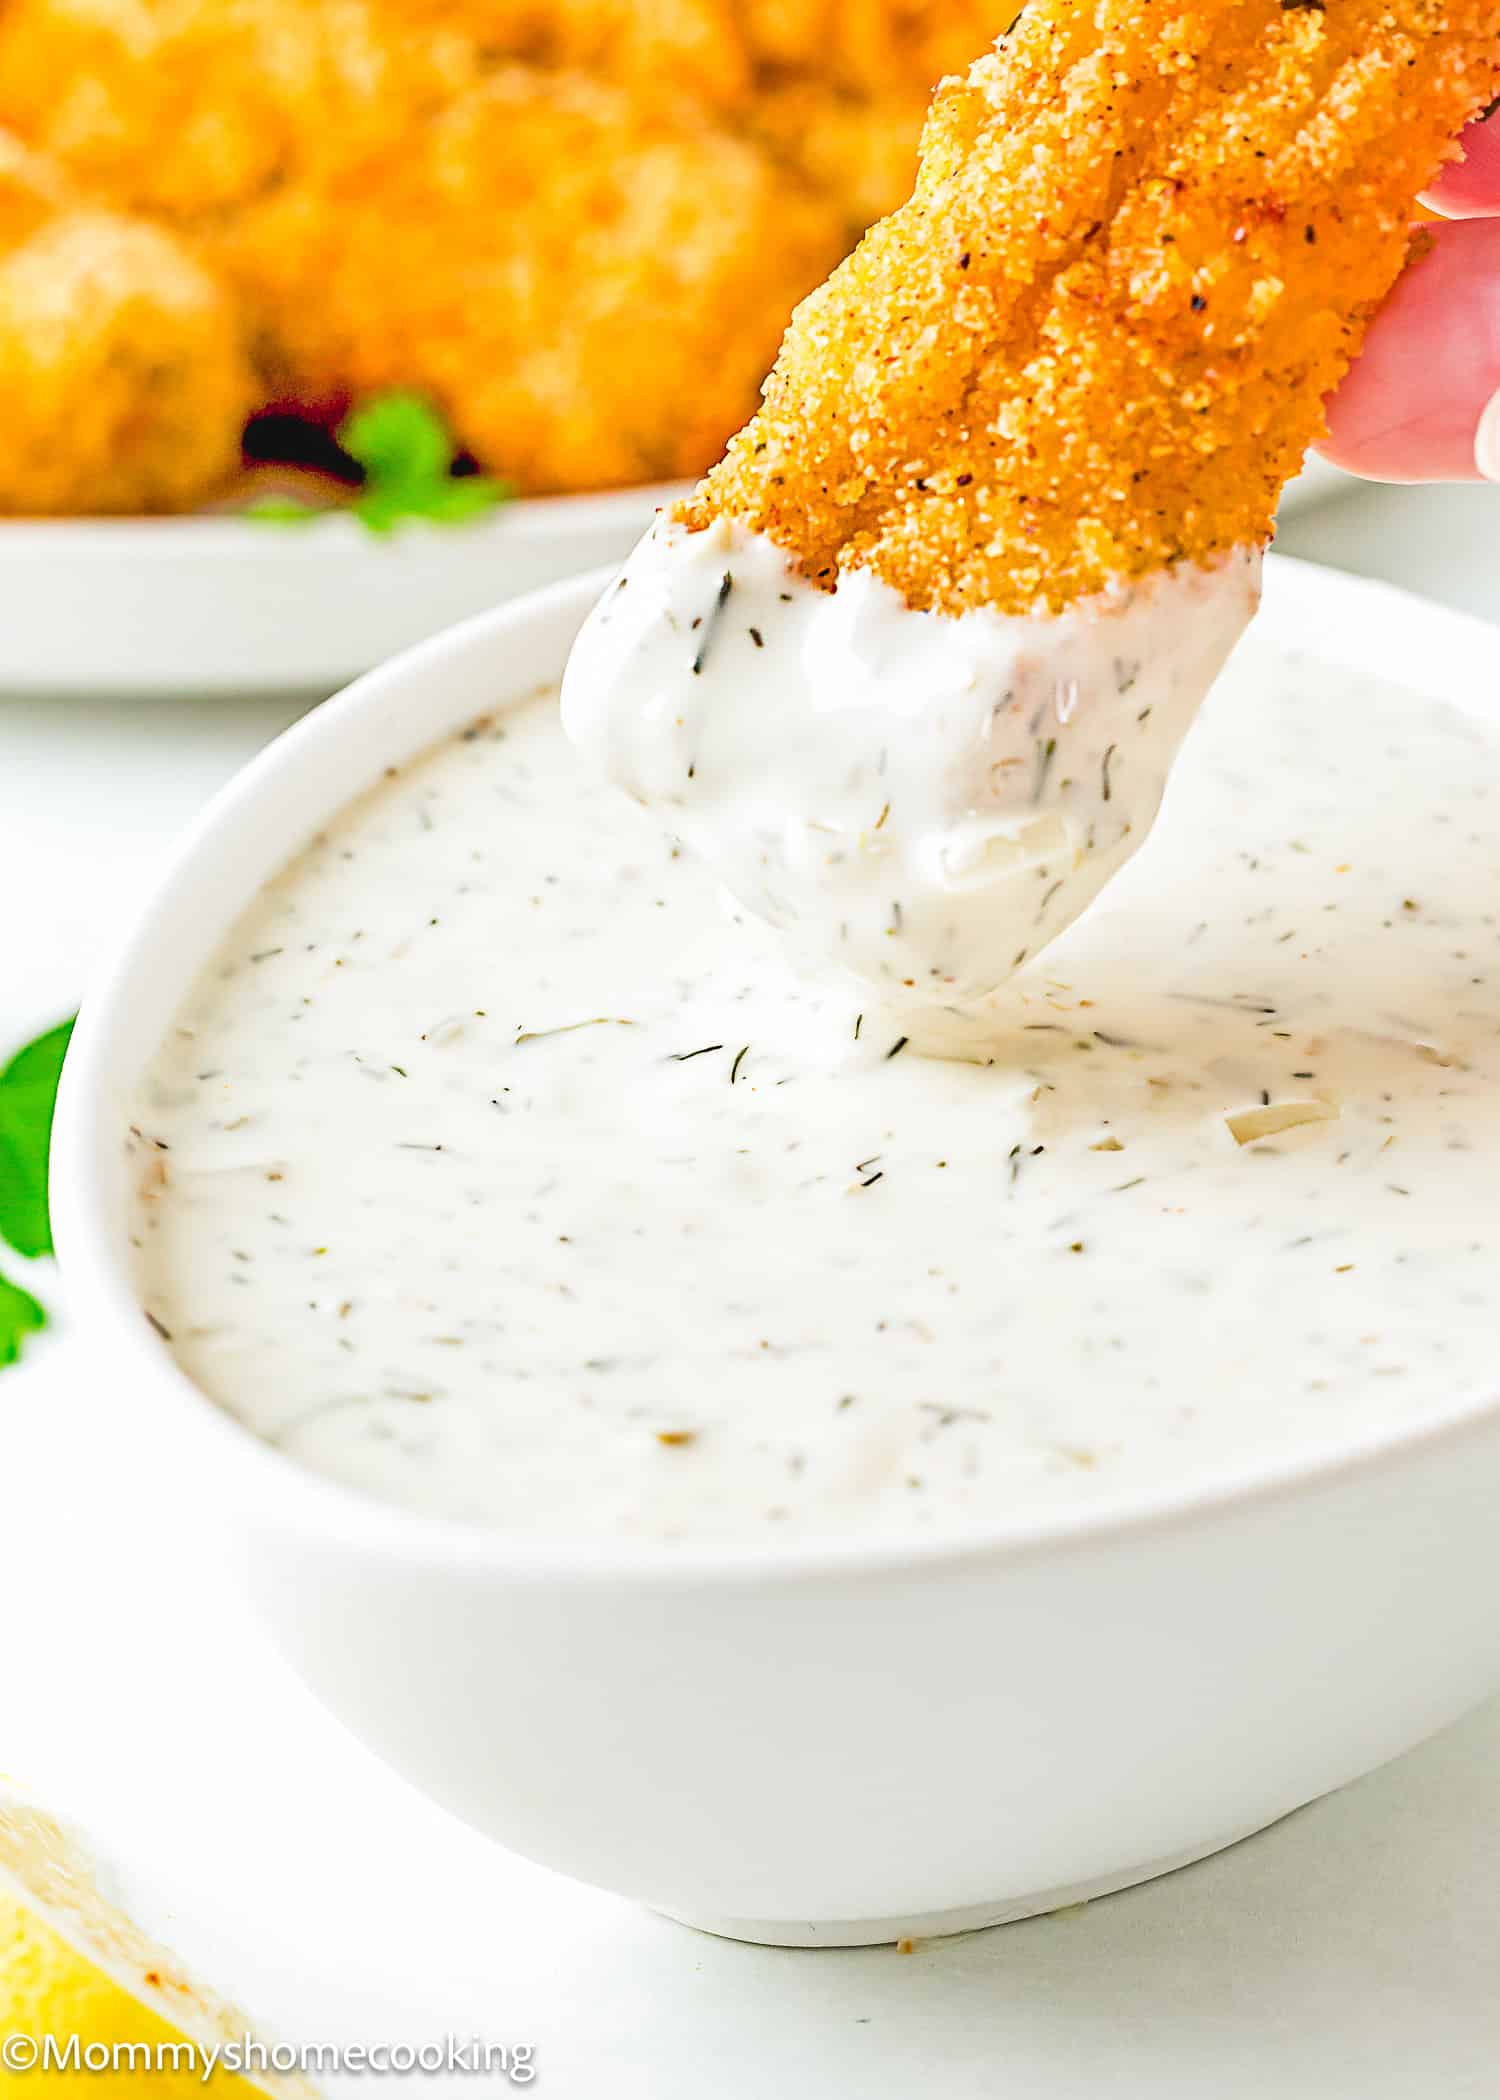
910,669
1144,244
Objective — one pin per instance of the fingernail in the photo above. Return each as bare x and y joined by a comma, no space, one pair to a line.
1487,441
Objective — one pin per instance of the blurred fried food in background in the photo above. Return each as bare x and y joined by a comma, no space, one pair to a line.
598,328
579,226
122,364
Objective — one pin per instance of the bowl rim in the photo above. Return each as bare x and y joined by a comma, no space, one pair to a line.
1390,634
229,535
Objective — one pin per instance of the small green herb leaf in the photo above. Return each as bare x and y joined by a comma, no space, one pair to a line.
397,438
468,496
28,1091
407,452
20,1315
283,510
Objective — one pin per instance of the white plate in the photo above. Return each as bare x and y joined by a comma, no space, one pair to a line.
204,607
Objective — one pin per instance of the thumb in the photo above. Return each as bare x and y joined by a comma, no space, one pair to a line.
1412,404
1469,188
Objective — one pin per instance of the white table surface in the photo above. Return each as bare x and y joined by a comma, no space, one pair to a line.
1352,1953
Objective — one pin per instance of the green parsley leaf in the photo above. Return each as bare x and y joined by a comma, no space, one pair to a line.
467,496
20,1315
283,510
382,510
28,1091
399,439
407,451
446,502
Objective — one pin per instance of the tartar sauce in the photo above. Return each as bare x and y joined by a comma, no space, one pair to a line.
490,1169
924,799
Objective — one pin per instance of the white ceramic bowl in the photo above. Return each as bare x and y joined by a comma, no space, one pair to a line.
826,1744
205,607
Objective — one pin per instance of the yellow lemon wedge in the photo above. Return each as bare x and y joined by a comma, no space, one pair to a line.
89,2004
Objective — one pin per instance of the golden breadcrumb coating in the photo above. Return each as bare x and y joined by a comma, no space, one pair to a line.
1144,243
857,150
32,191
588,257
670,50
580,224
881,48
608,325
726,54
184,109
834,89
125,380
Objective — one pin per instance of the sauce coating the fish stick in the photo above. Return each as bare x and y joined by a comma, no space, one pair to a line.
910,669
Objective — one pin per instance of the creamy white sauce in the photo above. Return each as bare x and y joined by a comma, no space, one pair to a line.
486,1154
923,799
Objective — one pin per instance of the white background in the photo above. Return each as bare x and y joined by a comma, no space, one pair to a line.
1352,1953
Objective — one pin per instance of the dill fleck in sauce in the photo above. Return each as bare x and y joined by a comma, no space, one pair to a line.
491,1169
